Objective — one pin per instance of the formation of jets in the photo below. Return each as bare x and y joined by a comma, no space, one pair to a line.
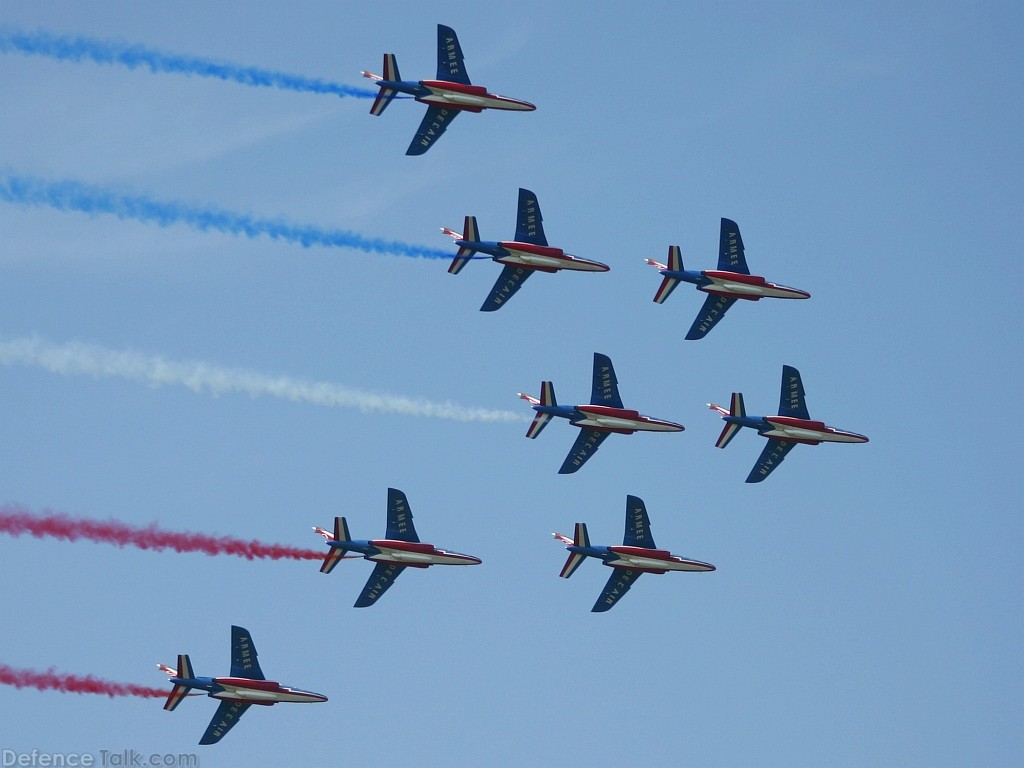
446,96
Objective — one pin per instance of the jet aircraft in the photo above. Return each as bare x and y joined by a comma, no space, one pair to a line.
445,97
244,687
793,425
731,281
637,555
399,549
604,415
527,254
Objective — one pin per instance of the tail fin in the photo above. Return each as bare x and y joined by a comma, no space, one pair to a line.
179,691
541,419
668,284
386,94
731,428
470,233
335,554
580,539
341,529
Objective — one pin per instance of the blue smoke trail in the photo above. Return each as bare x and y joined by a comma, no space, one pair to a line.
136,56
75,196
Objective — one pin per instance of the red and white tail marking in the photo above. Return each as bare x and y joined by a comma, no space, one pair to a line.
528,398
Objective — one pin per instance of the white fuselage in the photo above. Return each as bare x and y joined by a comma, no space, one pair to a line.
242,692
618,423
551,261
801,433
447,97
648,563
403,556
765,290
621,420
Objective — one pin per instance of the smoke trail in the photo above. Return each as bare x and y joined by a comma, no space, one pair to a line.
17,521
76,49
85,359
50,680
74,196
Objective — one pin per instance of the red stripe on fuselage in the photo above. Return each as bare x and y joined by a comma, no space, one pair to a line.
654,554
406,546
446,85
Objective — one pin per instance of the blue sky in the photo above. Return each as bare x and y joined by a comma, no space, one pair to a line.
866,609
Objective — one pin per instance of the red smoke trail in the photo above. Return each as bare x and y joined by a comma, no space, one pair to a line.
16,521
58,681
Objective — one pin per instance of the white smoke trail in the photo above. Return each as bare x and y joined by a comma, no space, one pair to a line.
77,359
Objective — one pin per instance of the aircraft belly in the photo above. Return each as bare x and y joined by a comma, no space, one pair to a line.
660,565
249,694
534,260
402,557
609,422
843,437
657,426
795,433
467,100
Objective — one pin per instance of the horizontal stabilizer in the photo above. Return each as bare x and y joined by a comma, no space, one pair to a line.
470,234
736,408
728,433
540,420
386,94
336,554
179,692
575,558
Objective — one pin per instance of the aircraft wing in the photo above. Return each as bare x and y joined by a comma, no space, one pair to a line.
770,458
243,655
792,401
508,282
713,310
431,128
224,719
529,222
383,576
618,584
400,525
730,249
450,64
586,443
605,389
638,525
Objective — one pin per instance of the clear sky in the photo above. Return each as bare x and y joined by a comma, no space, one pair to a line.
867,607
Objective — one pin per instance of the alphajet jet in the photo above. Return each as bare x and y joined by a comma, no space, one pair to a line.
637,555
596,420
793,425
244,687
731,281
399,549
445,97
527,254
